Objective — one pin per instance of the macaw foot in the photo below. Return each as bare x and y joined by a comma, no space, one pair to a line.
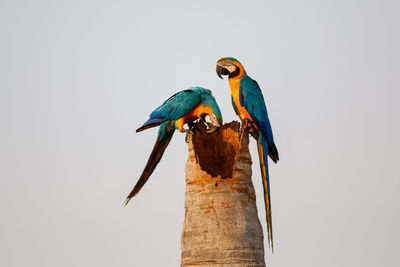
245,125
187,131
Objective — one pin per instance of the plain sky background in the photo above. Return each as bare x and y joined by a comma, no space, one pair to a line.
78,77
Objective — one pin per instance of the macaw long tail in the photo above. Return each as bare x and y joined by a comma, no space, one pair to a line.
165,134
262,147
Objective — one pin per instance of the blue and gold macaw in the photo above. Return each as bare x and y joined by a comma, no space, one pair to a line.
248,103
182,108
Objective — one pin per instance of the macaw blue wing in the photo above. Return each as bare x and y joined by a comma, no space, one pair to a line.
173,108
251,98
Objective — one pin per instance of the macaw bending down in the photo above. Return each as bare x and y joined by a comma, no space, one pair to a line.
182,108
248,103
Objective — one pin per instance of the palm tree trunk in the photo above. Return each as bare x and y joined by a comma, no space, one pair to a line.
221,225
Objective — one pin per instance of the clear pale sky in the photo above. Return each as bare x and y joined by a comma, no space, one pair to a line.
78,77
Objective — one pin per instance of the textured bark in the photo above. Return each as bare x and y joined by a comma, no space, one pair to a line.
221,225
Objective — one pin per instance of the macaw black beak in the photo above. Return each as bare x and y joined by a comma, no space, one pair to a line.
221,71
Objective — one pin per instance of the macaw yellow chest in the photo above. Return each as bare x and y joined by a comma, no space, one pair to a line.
235,86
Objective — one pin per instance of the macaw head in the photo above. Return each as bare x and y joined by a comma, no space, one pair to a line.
212,122
230,66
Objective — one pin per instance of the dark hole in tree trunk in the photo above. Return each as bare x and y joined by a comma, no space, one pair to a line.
215,156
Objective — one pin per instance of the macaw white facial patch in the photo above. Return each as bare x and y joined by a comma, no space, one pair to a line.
231,68
212,120
228,65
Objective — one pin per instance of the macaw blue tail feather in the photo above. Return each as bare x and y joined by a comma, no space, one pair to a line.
262,147
165,134
273,152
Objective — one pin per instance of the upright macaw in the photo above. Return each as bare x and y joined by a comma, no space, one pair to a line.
248,103
182,108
